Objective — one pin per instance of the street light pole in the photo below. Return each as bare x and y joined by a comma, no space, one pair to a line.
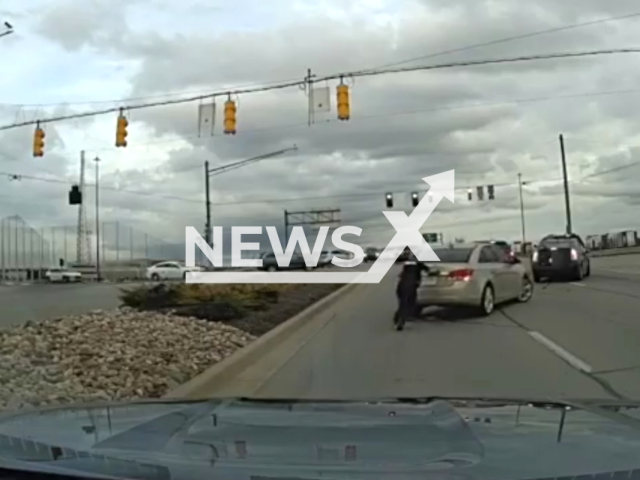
209,172
98,271
524,237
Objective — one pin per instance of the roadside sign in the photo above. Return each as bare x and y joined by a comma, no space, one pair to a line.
431,237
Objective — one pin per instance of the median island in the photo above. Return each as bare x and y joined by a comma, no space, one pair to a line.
161,337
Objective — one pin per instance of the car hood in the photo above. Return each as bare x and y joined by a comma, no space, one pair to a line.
309,440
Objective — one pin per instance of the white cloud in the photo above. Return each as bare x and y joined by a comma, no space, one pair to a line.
403,126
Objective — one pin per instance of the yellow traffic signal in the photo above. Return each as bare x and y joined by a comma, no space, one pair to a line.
343,102
38,142
121,130
230,117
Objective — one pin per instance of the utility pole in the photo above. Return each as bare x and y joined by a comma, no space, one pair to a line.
83,251
524,237
286,227
207,226
566,185
98,272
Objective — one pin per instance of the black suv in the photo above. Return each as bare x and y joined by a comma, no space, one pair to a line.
561,255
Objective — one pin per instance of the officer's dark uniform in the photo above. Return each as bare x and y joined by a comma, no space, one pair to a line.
407,289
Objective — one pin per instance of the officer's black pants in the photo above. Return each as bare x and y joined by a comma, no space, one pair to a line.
407,302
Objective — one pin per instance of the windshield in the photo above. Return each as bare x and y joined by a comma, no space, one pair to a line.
318,200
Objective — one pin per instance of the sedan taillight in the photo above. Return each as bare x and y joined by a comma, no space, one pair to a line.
462,275
535,256
574,254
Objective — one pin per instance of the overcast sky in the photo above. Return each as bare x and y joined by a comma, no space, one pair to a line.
489,123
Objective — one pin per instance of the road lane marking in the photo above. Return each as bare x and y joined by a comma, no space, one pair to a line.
561,352
578,284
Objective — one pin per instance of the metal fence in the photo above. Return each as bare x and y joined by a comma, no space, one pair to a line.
27,251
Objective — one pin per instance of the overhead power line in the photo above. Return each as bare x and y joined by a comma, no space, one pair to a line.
393,64
505,39
317,197
321,79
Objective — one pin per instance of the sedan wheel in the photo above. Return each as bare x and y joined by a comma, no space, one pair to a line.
527,290
487,303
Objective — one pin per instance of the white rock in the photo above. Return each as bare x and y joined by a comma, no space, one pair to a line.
108,355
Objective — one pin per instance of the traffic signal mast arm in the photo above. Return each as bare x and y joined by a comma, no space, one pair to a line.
292,84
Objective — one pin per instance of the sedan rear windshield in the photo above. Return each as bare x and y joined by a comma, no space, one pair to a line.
454,255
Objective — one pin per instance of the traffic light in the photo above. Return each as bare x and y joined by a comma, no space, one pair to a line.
230,117
75,195
38,141
480,193
469,194
389,200
343,102
491,192
121,130
415,199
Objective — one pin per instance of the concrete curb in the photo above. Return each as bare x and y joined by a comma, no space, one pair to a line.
230,367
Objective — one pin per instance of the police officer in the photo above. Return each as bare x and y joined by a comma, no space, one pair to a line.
407,290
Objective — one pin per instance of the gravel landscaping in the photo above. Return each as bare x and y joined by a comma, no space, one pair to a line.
127,353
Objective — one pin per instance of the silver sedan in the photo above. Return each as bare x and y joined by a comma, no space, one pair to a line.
478,275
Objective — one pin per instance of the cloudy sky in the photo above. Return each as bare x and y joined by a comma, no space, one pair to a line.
489,123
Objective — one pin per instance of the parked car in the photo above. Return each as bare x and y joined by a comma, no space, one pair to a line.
169,271
270,263
327,255
61,274
561,256
479,275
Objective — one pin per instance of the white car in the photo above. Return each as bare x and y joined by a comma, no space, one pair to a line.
169,271
327,255
57,274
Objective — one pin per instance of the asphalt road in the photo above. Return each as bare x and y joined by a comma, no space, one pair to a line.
21,303
572,340
576,340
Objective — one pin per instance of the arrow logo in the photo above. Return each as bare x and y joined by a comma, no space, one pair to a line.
407,234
